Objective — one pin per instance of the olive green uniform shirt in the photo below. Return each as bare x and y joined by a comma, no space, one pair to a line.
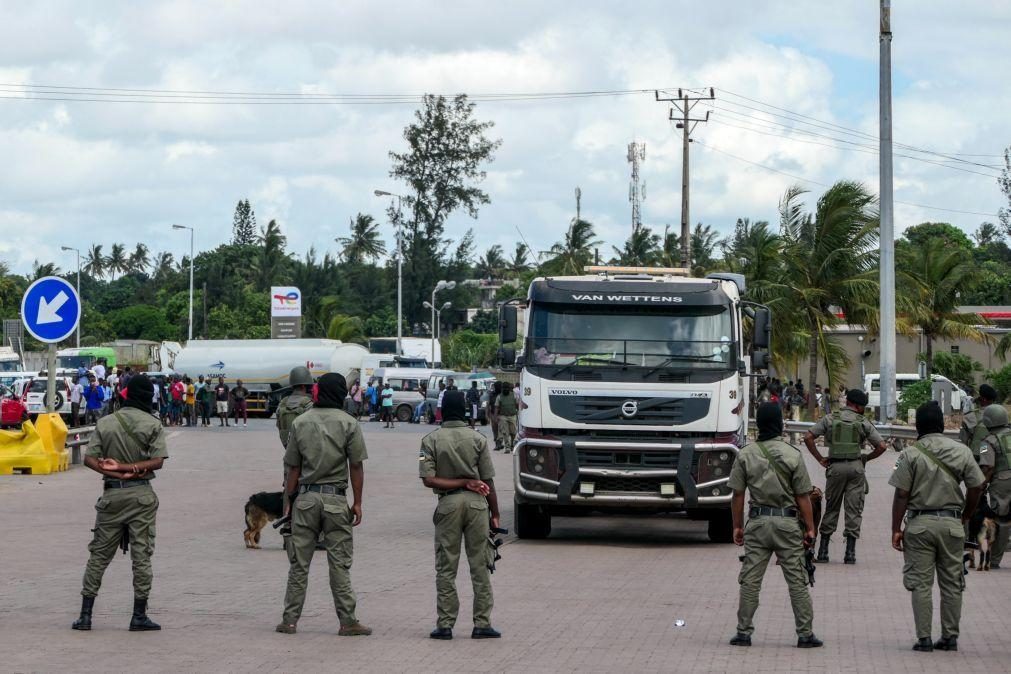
969,422
752,470
110,440
290,408
989,449
322,442
455,451
930,487
867,431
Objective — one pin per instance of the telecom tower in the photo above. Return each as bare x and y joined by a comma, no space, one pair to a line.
636,192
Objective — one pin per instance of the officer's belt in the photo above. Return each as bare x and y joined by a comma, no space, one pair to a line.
945,512
323,489
766,511
831,460
453,491
123,484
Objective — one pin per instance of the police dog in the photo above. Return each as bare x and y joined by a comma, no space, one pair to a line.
984,537
261,508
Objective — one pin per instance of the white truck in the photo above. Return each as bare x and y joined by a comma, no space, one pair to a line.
263,364
634,394
10,360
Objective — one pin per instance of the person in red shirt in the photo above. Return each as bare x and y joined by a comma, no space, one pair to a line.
177,392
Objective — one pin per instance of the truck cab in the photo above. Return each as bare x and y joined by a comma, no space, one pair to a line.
634,394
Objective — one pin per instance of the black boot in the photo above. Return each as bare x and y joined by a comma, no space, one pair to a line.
84,622
140,622
923,645
822,550
946,644
851,551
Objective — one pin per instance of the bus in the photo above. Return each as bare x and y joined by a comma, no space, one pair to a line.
86,357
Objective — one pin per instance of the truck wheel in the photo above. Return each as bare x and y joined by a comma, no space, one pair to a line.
531,521
404,413
721,527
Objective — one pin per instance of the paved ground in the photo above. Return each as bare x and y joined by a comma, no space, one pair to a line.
599,595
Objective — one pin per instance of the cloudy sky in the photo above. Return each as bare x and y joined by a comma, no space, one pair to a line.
79,172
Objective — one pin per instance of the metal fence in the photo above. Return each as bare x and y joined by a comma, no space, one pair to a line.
76,439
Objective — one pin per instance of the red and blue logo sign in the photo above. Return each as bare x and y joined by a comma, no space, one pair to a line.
288,300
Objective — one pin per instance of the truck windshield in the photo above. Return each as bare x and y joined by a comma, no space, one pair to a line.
10,366
74,362
679,338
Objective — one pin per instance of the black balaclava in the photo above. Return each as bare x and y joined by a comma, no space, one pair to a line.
453,408
139,393
769,420
929,418
331,389
857,397
988,392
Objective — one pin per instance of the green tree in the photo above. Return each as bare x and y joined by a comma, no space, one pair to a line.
930,278
243,224
919,235
755,251
704,241
346,328
117,262
447,148
273,261
957,367
641,249
519,262
140,259
484,322
365,244
142,321
492,263
466,349
986,234
94,261
575,251
914,395
40,270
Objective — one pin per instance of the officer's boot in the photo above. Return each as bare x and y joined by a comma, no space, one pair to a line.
140,622
84,622
851,551
822,550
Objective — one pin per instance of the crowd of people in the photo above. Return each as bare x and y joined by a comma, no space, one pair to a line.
792,396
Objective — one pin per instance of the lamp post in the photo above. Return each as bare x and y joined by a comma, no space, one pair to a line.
400,271
69,248
190,337
438,317
441,285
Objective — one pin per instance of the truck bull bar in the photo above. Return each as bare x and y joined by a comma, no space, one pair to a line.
565,486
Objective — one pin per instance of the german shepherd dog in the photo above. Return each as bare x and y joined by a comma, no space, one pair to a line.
982,532
261,508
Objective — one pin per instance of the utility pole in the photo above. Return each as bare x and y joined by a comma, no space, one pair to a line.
636,193
886,236
579,197
684,103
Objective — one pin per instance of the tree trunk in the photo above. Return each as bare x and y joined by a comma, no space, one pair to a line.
929,353
812,375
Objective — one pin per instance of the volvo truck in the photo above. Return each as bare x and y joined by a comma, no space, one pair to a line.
634,393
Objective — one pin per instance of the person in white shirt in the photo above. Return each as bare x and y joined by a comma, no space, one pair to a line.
76,390
99,370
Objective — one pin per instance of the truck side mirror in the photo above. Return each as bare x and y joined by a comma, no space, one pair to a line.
507,324
759,360
507,356
762,324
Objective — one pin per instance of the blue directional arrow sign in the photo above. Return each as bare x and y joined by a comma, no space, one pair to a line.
50,309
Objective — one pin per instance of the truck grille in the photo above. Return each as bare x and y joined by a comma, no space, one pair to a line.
639,485
649,411
596,458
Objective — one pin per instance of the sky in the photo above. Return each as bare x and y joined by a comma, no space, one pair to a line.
78,172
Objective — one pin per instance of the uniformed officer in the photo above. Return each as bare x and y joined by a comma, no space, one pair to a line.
845,432
456,465
506,408
993,459
126,448
325,446
927,482
773,472
973,430
291,406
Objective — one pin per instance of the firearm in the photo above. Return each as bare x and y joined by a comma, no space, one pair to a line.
809,565
495,543
124,539
282,521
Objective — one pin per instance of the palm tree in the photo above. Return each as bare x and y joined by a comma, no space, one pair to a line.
364,244
931,278
346,328
40,270
754,250
704,242
117,260
139,259
641,249
570,255
828,267
94,261
492,263
163,265
519,263
272,259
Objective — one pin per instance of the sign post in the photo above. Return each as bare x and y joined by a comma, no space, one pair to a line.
51,311
285,312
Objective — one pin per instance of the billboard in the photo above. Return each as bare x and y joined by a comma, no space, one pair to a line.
285,302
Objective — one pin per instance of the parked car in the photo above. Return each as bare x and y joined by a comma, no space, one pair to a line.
462,380
34,396
13,412
404,403
872,385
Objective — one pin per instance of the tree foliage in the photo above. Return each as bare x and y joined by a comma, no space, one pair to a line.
243,224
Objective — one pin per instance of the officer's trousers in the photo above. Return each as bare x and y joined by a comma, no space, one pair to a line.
931,543
506,431
133,508
845,486
462,517
314,513
762,537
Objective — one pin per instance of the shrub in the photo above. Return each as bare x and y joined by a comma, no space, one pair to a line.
913,396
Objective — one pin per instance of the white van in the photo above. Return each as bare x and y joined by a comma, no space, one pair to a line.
872,385
402,378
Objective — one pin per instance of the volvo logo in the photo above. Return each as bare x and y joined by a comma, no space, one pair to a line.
629,409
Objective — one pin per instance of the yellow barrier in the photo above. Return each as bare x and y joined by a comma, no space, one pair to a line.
24,451
53,432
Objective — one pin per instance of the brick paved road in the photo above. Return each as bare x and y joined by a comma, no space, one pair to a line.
600,595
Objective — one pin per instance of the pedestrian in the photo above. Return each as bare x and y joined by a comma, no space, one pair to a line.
506,408
325,448
198,412
221,401
93,397
779,489
473,402
456,465
106,397
76,393
370,392
387,396
993,460
113,381
972,430
845,432
178,393
290,408
419,409
126,448
928,494
99,369
205,400
493,394
356,399
189,401
239,395
438,402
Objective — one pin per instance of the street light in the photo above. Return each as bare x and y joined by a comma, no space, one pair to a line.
438,317
441,285
69,248
400,270
191,276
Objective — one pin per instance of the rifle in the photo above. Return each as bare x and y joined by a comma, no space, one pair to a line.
809,565
494,544
281,522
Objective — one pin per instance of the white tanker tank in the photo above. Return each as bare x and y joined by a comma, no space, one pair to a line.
263,364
